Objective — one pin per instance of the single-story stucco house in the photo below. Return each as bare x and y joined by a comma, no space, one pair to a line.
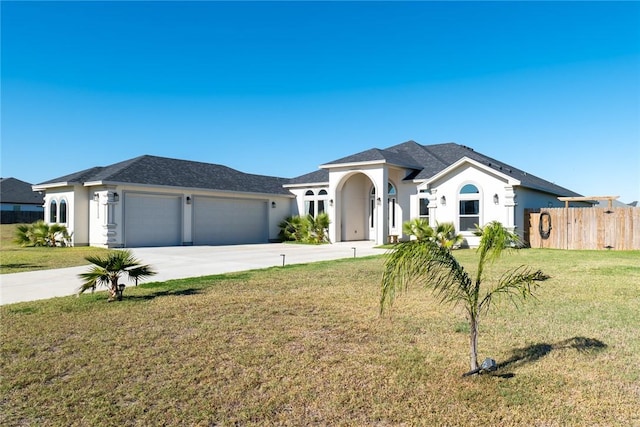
156,201
18,202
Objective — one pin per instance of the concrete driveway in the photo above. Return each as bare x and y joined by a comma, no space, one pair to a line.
181,262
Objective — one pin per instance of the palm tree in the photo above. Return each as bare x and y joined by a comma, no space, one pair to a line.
41,233
294,228
426,263
446,236
318,227
108,269
418,227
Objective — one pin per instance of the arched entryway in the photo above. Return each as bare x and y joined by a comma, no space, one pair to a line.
364,209
353,208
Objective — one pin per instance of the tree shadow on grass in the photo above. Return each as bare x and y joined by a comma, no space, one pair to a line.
165,293
535,352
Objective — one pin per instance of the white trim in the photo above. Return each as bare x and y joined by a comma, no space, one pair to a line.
510,180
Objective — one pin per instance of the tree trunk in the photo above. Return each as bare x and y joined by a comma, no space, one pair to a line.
113,289
473,342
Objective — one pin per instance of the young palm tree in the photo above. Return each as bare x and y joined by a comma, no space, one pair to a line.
42,234
446,236
108,269
294,228
426,263
318,227
418,227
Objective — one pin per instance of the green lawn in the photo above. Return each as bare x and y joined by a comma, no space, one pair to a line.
16,259
305,345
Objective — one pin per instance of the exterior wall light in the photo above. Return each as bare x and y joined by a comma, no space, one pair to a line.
273,205
188,200
116,197
443,201
330,202
379,201
496,199
96,197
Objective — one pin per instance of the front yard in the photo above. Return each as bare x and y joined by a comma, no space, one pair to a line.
305,345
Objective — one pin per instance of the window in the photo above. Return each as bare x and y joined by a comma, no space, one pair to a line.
469,213
309,204
392,205
53,211
372,207
321,201
424,204
63,211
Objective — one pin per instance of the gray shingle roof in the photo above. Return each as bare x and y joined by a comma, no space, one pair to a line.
162,171
15,191
428,160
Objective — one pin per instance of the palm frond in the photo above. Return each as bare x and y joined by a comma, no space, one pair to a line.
518,284
425,263
93,278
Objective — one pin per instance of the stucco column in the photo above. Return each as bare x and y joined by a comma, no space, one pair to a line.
433,206
382,207
334,208
510,204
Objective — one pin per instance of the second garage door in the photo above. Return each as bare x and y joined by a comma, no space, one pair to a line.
223,221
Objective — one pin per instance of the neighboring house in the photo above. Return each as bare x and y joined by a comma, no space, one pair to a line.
19,203
154,201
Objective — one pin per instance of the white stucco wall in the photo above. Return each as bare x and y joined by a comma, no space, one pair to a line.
106,215
488,183
76,223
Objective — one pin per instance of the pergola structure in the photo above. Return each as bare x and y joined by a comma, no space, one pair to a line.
566,200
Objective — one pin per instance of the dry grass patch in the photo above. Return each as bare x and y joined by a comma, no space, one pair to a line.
304,345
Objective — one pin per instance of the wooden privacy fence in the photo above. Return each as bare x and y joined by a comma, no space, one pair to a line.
583,228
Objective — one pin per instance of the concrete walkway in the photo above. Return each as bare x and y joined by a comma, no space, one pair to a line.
181,262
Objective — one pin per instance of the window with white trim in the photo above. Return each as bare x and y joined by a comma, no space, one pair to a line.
322,198
53,211
423,204
469,207
63,211
309,203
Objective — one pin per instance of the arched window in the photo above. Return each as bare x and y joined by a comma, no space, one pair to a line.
372,206
322,197
469,213
53,211
63,211
309,204
392,205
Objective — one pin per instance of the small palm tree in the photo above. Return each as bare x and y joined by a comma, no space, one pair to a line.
108,269
41,233
418,227
446,236
427,263
294,228
318,227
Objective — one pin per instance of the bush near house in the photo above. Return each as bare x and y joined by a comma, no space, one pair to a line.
41,233
305,229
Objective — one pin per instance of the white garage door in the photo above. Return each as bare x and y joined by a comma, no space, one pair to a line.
220,221
152,220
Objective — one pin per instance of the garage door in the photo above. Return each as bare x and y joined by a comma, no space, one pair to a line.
152,220
221,221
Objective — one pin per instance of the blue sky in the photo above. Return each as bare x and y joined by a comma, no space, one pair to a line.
279,88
